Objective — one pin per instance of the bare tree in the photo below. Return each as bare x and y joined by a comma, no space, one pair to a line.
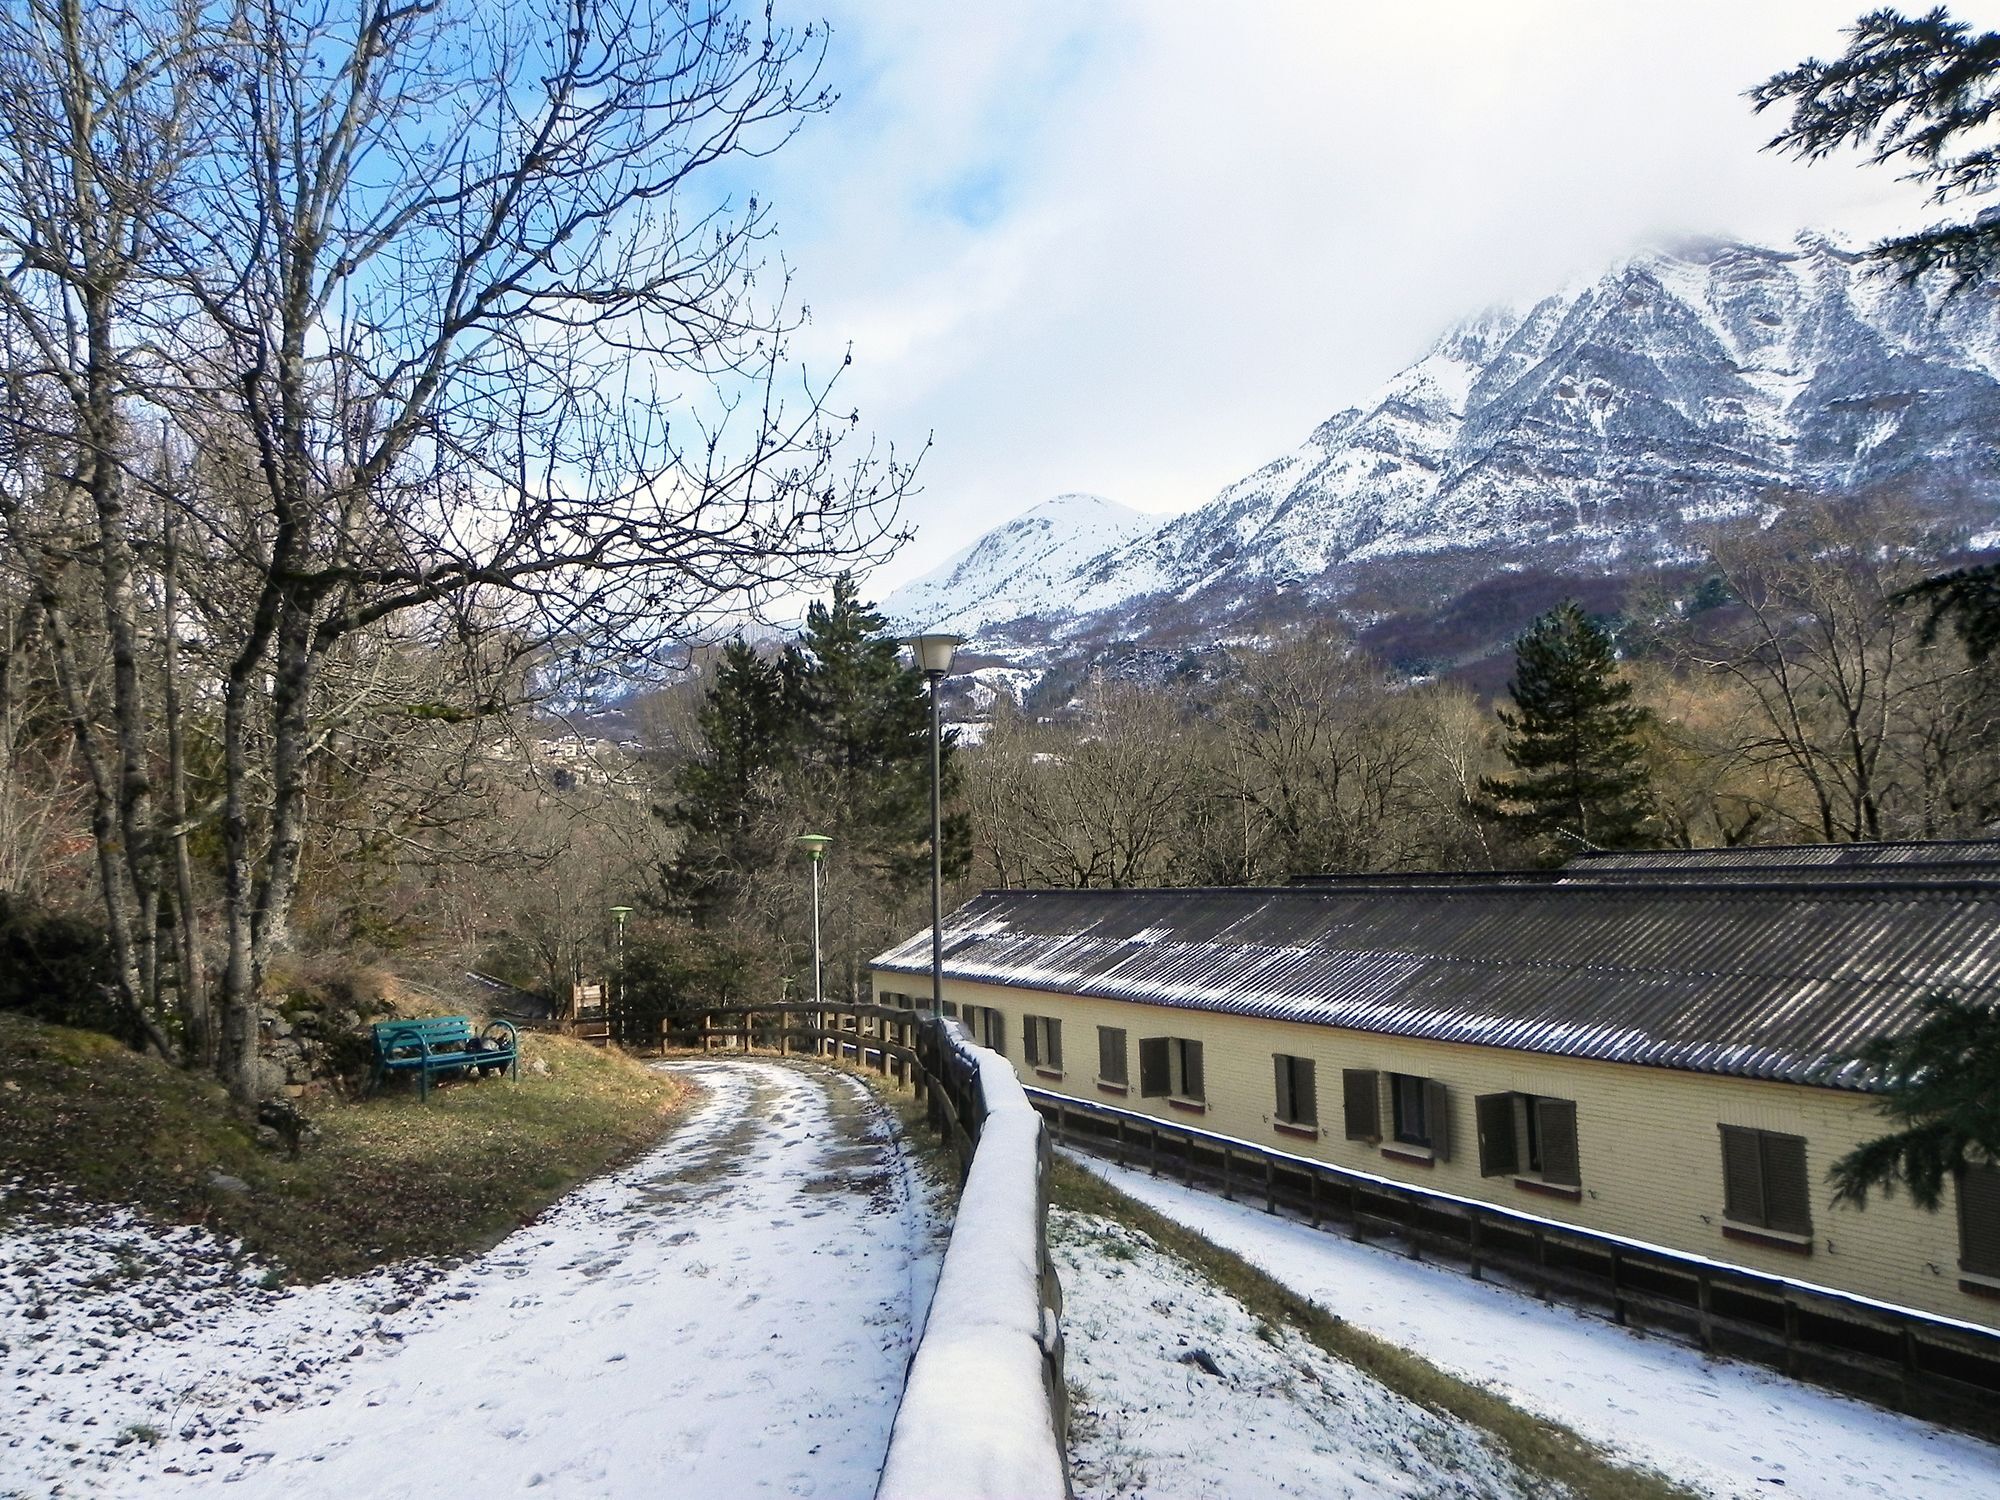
1323,758
1878,730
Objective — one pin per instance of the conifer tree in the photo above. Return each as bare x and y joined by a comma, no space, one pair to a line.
728,795
1573,739
1941,1084
830,736
1920,93
864,757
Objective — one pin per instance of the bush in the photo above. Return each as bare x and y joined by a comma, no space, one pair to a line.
59,969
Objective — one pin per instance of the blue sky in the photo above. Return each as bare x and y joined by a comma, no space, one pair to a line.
1140,247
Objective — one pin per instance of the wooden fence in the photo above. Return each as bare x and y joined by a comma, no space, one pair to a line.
1927,1366
996,1320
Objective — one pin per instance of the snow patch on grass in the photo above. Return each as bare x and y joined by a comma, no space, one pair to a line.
1178,1389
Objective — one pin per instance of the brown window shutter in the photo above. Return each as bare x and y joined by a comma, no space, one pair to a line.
1111,1054
1281,1069
1155,1081
1191,1079
1979,1220
1787,1189
1742,1176
1557,1121
1493,1115
1437,1118
1029,1050
1305,1091
1361,1102
1054,1049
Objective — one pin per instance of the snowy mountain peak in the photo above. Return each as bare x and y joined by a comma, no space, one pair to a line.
1013,571
1598,430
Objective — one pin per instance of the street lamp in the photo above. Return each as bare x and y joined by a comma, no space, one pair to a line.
933,654
815,846
618,915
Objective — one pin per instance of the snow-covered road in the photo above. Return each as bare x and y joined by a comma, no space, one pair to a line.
1731,1430
732,1315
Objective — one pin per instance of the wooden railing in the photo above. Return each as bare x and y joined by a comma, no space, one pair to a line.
1929,1366
984,1413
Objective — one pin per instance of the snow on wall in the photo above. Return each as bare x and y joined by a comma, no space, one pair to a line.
975,1421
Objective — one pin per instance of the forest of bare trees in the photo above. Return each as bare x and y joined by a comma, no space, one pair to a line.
368,369
1786,698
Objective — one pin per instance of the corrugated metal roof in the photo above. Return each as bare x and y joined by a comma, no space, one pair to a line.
1945,852
1764,981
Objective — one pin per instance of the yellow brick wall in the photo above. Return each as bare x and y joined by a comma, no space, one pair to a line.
1647,1139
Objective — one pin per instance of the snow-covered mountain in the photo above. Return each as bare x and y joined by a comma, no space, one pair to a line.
1016,569
1596,431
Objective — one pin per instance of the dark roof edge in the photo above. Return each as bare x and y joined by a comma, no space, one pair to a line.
1737,891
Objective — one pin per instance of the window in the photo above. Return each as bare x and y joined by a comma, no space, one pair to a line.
1298,1097
1406,1109
1361,1103
1041,1043
1528,1135
1111,1056
1764,1184
987,1026
1170,1067
1420,1113
1979,1220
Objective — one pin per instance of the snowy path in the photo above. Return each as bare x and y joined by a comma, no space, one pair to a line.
732,1315
1729,1429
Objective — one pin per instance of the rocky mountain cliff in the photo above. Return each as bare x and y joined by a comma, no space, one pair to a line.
1594,433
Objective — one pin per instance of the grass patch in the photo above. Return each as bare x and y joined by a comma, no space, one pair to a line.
390,1177
1542,1447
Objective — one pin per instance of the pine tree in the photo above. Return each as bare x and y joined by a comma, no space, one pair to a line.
1941,1083
727,797
1919,92
864,760
831,736
1573,739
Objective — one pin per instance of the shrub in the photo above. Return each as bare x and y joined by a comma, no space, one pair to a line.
59,968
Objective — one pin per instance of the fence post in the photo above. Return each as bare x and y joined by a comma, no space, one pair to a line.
1270,1186
1477,1239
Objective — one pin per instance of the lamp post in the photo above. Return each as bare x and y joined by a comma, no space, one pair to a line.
618,916
933,654
815,847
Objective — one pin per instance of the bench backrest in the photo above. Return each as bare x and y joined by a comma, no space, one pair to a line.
436,1032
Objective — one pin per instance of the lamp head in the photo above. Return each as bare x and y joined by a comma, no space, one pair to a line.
620,913
933,653
815,845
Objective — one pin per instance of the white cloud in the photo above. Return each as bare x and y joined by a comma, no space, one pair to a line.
1140,248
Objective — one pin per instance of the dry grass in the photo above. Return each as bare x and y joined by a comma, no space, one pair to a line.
1542,1447
389,1177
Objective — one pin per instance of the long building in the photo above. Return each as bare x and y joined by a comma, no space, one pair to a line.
1625,1047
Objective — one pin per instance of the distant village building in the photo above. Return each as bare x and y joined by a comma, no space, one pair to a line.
1645,1045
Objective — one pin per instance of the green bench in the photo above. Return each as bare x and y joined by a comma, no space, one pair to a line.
445,1046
